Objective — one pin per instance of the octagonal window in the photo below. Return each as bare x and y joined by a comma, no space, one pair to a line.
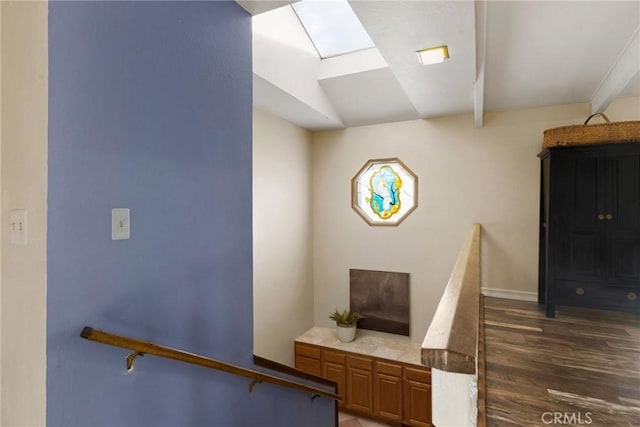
384,191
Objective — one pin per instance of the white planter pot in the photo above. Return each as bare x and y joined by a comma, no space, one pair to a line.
346,333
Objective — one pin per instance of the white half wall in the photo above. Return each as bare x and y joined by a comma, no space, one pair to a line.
466,175
282,234
454,399
24,186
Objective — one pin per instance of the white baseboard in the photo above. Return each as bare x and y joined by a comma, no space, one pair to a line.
509,294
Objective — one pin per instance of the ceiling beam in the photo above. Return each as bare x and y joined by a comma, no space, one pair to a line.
256,7
481,45
620,74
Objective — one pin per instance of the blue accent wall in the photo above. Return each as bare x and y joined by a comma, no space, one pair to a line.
150,109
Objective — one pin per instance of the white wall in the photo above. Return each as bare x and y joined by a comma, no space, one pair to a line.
24,185
466,175
282,234
621,109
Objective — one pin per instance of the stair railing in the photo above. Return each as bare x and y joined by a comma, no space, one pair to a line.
452,343
141,348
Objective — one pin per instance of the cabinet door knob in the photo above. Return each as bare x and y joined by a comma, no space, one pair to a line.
600,217
609,216
631,296
579,291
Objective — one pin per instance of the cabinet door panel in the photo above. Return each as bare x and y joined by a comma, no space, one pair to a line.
624,224
626,192
335,372
584,254
360,390
625,256
388,397
417,404
586,192
578,217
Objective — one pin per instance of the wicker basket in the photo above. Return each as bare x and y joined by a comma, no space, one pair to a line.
606,133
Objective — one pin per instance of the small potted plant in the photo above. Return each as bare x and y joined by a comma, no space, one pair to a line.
346,324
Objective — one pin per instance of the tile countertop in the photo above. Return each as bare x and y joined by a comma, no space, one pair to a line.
365,343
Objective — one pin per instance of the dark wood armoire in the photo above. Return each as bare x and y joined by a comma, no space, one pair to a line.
590,227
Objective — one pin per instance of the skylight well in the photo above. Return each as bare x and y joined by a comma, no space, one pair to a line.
332,26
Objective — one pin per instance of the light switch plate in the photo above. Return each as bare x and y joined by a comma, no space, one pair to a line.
18,226
120,224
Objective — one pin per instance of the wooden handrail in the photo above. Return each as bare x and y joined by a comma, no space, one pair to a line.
288,370
275,366
452,339
141,347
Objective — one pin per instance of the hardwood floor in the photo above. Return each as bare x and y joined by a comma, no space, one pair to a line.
581,368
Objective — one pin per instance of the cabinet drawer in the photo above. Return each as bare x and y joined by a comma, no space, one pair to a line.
595,295
360,362
417,374
309,365
335,357
389,369
307,351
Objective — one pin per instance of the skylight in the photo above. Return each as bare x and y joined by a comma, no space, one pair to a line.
332,26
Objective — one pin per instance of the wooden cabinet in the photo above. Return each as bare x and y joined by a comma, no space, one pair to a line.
590,227
388,391
379,388
360,383
307,358
417,391
334,369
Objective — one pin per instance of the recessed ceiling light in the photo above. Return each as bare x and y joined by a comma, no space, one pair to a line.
433,55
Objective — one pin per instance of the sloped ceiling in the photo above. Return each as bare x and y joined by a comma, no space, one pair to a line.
503,55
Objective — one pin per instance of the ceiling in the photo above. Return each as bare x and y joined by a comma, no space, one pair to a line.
503,55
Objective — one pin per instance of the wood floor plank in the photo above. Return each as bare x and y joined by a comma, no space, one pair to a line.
583,365
534,383
592,403
513,326
628,401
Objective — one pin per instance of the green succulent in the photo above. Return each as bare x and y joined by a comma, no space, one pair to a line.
346,318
